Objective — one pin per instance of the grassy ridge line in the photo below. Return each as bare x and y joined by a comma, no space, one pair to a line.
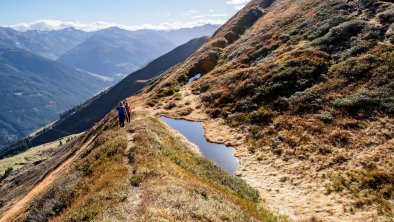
172,182
180,185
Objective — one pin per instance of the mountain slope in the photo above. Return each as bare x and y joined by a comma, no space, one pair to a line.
49,44
35,91
305,89
83,118
301,88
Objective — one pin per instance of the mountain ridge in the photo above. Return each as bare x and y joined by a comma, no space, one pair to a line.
115,52
26,102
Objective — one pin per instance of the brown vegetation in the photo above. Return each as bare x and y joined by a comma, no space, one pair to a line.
309,84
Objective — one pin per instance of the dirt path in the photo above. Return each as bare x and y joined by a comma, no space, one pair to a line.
20,206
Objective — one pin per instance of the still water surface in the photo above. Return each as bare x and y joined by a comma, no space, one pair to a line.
218,153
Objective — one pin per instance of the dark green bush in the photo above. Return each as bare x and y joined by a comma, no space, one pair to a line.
237,119
355,69
386,17
368,102
262,116
245,105
183,79
290,79
308,101
170,105
281,104
338,38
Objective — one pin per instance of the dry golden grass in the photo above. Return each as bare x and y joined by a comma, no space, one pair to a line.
144,172
179,185
32,155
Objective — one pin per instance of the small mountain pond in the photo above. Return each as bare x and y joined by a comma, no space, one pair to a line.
197,76
218,153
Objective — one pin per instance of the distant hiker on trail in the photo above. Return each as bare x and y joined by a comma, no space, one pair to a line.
128,112
121,114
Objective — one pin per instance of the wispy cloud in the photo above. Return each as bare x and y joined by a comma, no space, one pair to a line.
199,16
209,16
46,24
218,15
238,4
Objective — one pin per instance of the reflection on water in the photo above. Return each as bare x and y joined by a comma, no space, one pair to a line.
194,78
218,153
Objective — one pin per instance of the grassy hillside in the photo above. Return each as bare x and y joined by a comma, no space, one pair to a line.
309,86
144,172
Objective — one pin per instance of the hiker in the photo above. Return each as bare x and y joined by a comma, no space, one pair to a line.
121,114
128,112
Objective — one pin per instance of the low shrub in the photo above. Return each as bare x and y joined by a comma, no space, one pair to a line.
386,17
281,104
262,116
367,187
182,79
185,111
209,97
340,138
366,103
338,38
256,132
152,102
215,113
325,116
237,119
355,69
170,105
178,96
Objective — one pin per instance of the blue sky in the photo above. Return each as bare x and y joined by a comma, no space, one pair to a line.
131,13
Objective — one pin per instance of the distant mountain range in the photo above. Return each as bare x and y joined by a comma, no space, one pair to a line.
90,113
113,52
49,44
35,90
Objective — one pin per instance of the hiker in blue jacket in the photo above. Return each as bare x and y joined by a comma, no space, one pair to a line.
121,114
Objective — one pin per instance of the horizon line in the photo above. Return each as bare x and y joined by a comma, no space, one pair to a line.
55,25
